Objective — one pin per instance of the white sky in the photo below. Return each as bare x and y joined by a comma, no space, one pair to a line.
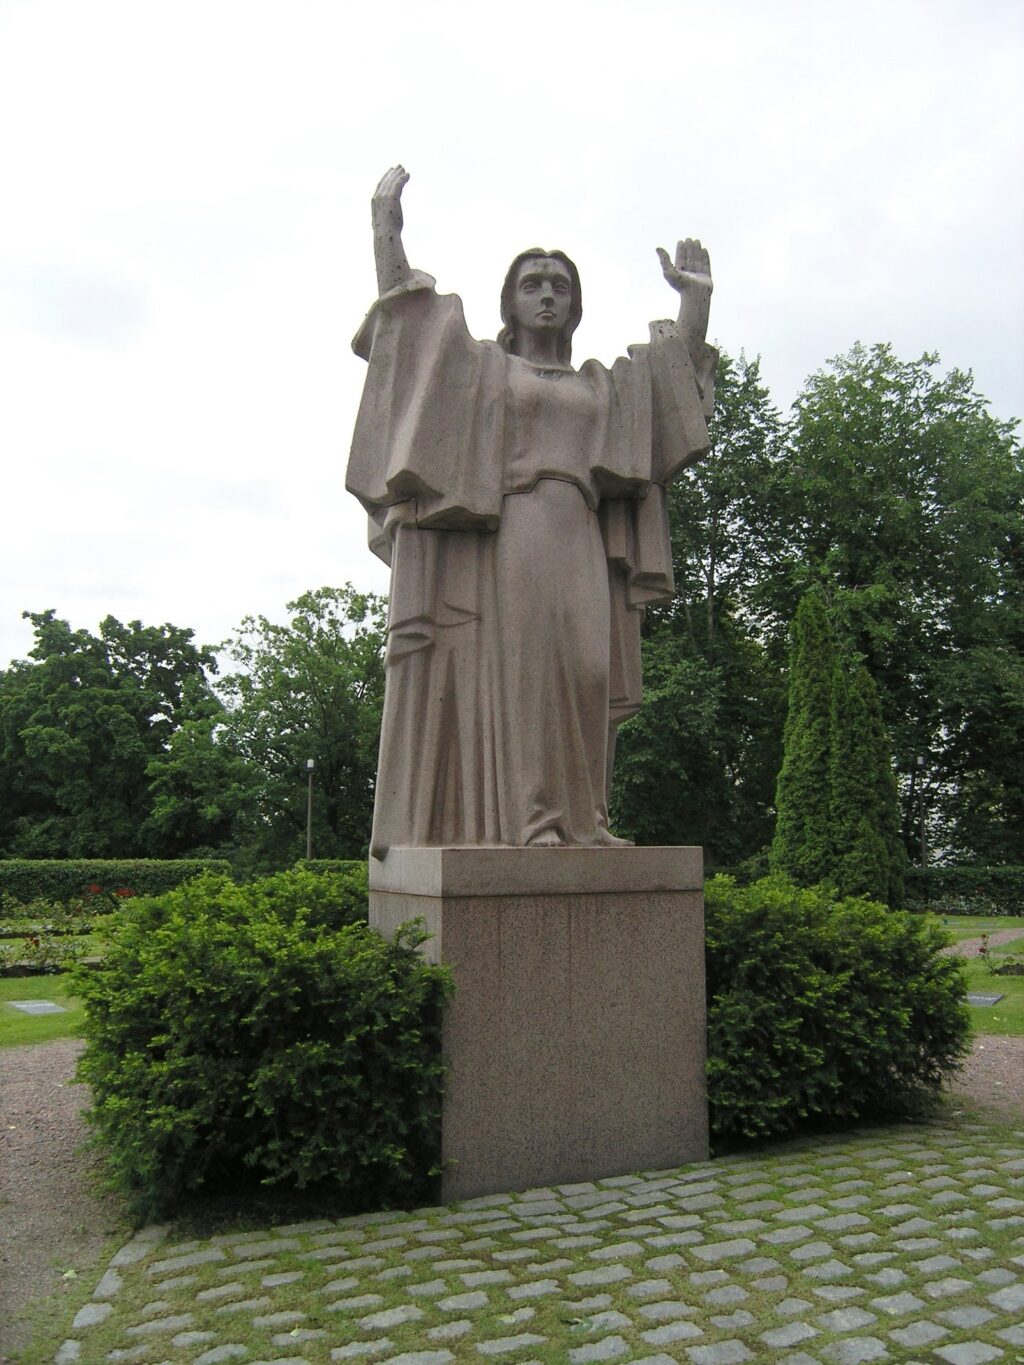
185,250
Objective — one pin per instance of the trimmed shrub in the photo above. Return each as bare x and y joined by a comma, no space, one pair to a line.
968,890
823,1012
69,879
264,1033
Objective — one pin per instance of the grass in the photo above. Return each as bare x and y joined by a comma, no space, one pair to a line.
973,926
17,1029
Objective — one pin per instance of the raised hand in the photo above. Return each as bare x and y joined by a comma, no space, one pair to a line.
389,253
691,269
690,276
387,197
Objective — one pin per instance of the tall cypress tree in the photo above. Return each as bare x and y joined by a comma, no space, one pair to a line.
838,815
802,847
867,852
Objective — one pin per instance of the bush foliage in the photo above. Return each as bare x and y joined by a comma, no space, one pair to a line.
823,1012
264,1033
69,879
939,887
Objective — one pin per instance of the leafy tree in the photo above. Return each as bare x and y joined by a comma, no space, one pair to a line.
312,688
907,495
802,847
80,722
698,764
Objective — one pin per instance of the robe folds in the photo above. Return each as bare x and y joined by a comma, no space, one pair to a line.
523,514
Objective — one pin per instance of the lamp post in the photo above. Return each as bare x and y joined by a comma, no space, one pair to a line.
310,765
924,837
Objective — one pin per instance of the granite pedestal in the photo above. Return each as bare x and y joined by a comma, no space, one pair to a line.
576,1038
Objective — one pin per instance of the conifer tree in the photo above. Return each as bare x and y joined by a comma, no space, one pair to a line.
867,852
802,847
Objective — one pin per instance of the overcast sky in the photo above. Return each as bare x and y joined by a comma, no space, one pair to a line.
185,249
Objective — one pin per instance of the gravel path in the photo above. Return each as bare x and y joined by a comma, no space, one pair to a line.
971,947
52,1220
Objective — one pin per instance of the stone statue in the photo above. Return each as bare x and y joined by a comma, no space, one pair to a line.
521,507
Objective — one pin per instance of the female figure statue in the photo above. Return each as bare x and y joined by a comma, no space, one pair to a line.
521,506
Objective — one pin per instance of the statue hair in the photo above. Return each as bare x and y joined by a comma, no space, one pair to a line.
506,338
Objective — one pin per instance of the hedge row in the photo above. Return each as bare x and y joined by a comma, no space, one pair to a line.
1004,886
66,879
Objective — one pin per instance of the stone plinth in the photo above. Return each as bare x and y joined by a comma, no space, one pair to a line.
576,1038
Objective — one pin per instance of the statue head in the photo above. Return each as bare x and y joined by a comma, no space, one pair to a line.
507,337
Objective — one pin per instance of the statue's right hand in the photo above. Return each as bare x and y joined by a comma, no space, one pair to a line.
388,194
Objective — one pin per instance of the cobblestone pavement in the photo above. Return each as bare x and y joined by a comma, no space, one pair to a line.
903,1244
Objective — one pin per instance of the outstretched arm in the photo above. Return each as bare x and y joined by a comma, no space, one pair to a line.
690,276
389,253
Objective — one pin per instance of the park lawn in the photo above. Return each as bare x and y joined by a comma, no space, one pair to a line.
973,926
1007,1017
17,1028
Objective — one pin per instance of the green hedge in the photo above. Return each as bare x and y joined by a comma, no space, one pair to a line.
66,879
264,1033
943,886
823,1012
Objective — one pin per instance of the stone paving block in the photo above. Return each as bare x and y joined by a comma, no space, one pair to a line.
897,1304
790,1334
221,1291
473,1279
353,1305
758,1265
921,1333
284,1277
609,1320
298,1335
811,1251
189,1262
611,1348
828,1270
673,1261
998,1276
174,1323
534,1289
969,1353
394,1317
92,1314
726,1295
788,1307
837,1293
231,1350
669,1332
342,1286
783,1236
1010,1299
665,1310
449,1331
855,1350
607,1274
970,1315
467,1302
617,1249
724,1251
945,1289
846,1319
730,1352
733,1322
1013,1335
504,1345
356,1350
543,1268
110,1284
245,1305
285,1318
192,1338
421,1358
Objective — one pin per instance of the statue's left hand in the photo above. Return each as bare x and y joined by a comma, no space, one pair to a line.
691,271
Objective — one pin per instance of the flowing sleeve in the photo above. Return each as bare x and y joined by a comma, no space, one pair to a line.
427,447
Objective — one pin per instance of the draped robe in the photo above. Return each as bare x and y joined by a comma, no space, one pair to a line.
523,514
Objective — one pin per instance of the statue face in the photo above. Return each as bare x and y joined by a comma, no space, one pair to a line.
543,296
